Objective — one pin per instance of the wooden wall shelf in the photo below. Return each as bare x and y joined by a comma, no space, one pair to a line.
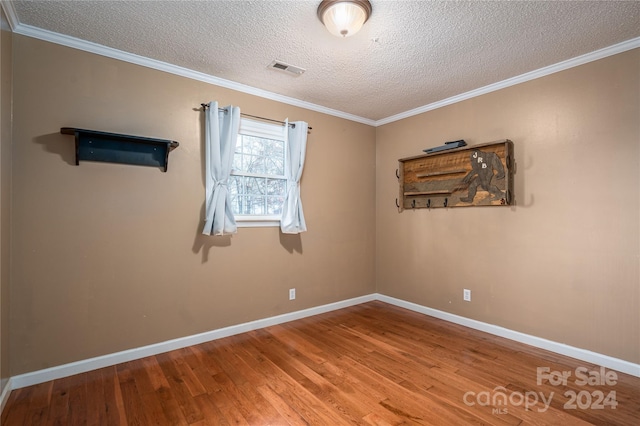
92,145
479,175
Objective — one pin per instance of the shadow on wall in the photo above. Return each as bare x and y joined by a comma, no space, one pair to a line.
291,242
203,243
521,167
57,143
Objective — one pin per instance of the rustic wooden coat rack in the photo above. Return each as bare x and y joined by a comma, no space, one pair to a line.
479,175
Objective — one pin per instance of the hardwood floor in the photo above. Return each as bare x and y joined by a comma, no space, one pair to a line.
373,364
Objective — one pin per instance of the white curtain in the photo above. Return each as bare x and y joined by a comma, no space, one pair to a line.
221,132
292,221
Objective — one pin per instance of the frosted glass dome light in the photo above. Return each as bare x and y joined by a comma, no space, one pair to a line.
344,18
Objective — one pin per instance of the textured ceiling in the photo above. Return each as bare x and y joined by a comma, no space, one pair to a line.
408,55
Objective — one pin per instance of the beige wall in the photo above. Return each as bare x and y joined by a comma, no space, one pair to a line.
110,257
5,193
563,264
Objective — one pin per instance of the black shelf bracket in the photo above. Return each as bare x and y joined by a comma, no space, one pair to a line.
92,145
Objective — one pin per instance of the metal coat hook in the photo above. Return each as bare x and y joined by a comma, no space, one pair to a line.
428,203
413,204
446,201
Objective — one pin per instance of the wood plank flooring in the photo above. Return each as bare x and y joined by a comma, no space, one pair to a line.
371,364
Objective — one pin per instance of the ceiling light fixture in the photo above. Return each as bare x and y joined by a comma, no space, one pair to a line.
344,18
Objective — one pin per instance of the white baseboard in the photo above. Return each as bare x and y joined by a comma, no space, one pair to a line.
538,342
66,370
83,366
4,396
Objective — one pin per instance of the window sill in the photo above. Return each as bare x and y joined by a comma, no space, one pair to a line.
256,222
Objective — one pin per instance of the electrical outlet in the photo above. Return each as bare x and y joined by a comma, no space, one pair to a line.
466,295
292,293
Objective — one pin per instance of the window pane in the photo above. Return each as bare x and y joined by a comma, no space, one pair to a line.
275,166
254,185
273,147
276,186
259,155
253,145
254,164
274,153
242,205
256,205
237,162
246,145
236,185
274,205
235,204
262,158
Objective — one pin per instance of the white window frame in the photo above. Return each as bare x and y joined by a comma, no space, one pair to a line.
268,131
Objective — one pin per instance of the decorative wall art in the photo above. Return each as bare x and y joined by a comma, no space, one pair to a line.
479,175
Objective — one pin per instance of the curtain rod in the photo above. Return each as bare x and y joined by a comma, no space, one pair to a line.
205,106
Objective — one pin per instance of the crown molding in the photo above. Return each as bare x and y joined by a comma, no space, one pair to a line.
98,49
11,14
532,75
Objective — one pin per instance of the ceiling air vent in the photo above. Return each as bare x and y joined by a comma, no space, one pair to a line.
283,66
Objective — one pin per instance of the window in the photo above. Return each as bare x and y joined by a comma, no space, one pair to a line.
257,184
